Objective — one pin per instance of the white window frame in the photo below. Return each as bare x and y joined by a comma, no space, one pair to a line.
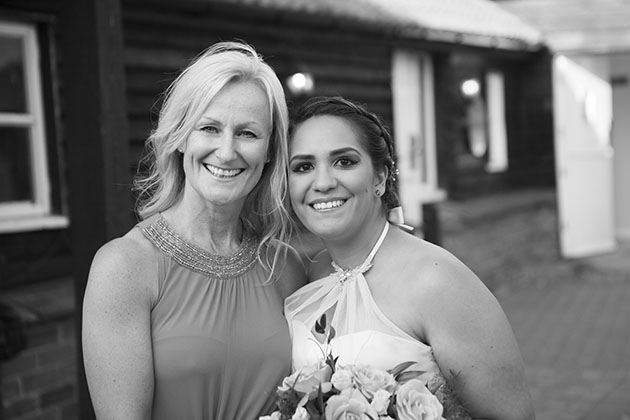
497,131
36,214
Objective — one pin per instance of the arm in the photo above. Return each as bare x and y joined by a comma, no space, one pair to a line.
116,331
470,334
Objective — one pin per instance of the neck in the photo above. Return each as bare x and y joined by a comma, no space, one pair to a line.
351,253
215,229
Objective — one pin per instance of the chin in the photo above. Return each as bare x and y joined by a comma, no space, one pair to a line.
325,232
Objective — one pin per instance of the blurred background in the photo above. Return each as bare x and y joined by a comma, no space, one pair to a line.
512,127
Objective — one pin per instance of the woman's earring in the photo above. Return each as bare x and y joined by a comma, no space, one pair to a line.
180,150
378,192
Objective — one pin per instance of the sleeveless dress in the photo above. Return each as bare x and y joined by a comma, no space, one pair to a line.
364,334
220,340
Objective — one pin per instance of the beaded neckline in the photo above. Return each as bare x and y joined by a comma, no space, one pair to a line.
191,256
350,273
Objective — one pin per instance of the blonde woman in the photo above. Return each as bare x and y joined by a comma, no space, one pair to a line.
182,317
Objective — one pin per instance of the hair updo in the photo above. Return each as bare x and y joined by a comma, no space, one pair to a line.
370,130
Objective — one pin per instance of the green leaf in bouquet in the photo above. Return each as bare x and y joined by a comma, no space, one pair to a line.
320,326
391,408
331,334
400,368
331,361
408,375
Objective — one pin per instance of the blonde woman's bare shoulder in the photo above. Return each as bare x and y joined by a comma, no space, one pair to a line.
125,265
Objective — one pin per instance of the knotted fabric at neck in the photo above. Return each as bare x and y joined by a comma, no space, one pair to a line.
367,263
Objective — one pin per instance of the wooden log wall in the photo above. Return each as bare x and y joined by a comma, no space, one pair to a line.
27,257
160,41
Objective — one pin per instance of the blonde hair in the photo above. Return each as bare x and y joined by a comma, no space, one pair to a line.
185,100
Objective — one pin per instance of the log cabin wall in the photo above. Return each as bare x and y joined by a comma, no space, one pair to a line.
32,256
344,61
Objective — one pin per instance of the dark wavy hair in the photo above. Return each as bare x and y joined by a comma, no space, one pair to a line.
372,133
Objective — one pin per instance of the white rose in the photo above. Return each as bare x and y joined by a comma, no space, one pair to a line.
381,401
370,379
301,414
415,402
341,379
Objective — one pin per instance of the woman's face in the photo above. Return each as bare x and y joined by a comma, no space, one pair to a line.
332,181
226,152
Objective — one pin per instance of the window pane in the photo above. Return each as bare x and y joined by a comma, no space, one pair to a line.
12,98
15,166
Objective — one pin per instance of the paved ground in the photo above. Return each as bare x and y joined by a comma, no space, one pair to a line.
571,318
575,340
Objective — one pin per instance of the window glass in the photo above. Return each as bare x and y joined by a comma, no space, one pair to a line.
15,165
13,98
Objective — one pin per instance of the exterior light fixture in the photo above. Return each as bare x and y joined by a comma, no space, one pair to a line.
300,83
470,88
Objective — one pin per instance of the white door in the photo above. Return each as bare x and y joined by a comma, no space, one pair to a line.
584,156
414,132
620,70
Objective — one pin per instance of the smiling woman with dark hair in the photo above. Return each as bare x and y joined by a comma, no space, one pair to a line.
391,297
182,317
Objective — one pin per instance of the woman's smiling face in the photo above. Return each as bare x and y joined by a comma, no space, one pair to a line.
226,152
332,181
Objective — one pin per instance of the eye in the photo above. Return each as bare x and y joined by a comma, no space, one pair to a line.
345,162
210,129
248,134
299,167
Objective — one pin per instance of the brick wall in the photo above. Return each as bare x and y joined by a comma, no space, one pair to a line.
40,382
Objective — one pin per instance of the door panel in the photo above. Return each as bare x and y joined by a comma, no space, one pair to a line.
584,157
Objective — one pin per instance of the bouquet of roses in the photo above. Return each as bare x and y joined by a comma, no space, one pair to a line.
357,392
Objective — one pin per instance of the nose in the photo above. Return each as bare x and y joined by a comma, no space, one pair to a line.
325,179
226,150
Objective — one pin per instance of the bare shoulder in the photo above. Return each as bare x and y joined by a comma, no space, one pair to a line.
434,276
124,266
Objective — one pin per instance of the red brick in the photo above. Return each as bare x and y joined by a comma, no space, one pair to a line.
19,407
57,395
62,353
68,331
25,361
10,388
40,380
50,414
41,335
70,411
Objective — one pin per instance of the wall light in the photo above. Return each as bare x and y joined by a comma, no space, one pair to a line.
301,83
471,88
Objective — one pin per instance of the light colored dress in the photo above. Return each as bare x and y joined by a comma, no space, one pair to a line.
220,340
364,334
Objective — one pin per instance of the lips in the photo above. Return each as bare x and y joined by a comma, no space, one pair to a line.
222,173
328,205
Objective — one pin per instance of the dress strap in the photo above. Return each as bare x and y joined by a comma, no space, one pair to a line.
366,265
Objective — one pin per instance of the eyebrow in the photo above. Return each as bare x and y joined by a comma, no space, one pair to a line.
209,120
333,153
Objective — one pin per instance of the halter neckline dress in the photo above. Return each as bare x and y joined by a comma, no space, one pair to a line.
220,340
364,334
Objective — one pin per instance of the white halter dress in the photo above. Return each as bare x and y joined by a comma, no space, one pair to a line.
364,334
